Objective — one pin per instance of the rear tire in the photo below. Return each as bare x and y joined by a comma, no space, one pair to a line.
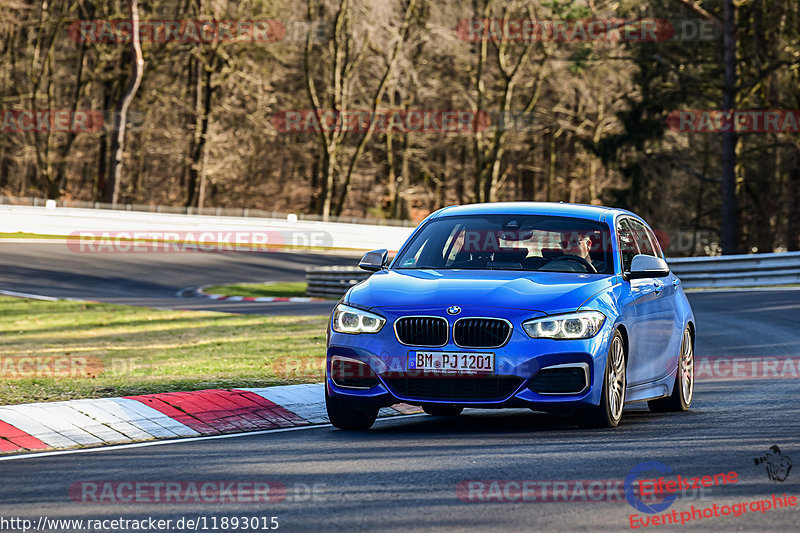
442,410
609,413
683,389
345,415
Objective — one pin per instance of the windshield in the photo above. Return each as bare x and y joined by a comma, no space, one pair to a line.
511,242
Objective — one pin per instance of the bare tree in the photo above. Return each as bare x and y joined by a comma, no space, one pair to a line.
494,93
347,56
121,120
729,231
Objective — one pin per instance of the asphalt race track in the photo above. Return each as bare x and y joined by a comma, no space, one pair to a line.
154,279
410,473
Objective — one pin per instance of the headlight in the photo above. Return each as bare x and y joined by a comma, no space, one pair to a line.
581,325
348,319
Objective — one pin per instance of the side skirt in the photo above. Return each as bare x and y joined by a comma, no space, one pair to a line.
651,390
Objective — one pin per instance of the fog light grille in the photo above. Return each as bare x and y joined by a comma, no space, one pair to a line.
570,380
352,374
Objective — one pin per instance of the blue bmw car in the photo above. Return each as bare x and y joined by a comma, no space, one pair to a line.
555,307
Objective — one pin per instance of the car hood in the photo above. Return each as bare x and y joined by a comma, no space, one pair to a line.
546,292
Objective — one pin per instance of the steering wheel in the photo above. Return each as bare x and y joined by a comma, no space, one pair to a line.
577,259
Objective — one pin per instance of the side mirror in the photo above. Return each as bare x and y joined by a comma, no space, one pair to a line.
374,260
647,266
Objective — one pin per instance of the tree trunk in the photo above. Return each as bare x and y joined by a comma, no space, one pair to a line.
391,174
551,172
204,93
328,170
730,223
201,196
61,170
137,65
400,208
793,221
99,185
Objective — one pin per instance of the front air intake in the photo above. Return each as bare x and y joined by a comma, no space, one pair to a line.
465,388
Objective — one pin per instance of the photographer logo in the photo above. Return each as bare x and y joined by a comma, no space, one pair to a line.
778,465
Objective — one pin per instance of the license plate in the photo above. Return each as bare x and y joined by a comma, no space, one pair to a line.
457,362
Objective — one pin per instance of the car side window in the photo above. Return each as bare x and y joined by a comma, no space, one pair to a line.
642,238
627,244
656,243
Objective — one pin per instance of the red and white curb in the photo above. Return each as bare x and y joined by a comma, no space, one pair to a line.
200,293
264,298
104,421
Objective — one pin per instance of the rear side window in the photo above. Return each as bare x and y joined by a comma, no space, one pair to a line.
642,237
656,243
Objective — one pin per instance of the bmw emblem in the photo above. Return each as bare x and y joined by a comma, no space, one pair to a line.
453,310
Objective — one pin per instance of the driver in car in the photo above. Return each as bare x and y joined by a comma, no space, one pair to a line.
579,244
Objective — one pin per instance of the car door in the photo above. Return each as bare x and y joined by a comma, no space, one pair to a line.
673,321
650,324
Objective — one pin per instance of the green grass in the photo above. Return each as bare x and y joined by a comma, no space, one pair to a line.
112,350
286,288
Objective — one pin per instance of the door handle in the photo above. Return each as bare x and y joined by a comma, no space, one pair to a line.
658,286
676,282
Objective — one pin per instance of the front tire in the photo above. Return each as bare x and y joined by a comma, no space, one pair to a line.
683,389
609,413
345,415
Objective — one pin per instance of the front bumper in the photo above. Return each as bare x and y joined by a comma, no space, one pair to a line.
540,374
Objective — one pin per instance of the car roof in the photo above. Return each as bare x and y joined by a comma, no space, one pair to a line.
587,212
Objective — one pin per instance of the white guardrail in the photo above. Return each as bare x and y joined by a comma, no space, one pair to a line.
290,233
755,270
